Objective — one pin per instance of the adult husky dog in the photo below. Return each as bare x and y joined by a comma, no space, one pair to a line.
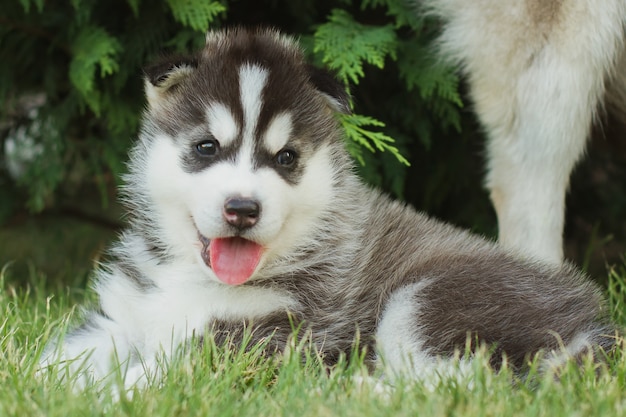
537,71
245,213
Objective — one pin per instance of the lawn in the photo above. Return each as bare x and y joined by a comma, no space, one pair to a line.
211,381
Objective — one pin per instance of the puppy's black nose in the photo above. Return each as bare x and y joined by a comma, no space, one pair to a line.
242,212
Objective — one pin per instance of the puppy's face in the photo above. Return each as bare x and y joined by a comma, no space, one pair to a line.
236,155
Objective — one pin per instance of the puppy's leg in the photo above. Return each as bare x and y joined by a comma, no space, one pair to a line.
400,343
536,71
98,350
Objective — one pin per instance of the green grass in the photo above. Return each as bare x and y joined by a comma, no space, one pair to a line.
215,382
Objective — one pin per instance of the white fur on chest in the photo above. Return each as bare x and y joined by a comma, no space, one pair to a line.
182,303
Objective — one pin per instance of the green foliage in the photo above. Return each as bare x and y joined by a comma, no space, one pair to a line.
435,82
429,97
355,124
346,44
27,4
93,49
195,14
72,94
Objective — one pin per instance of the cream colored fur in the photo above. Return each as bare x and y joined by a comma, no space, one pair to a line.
537,71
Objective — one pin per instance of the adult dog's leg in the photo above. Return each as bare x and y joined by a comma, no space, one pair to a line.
536,71
532,152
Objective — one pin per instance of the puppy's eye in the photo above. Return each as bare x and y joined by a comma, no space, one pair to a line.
286,157
209,147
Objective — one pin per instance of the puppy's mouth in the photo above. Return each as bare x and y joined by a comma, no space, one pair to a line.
233,259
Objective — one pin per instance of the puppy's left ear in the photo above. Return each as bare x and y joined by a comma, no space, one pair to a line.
163,76
331,89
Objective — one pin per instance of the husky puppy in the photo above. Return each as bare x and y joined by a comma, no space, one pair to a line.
245,213
538,71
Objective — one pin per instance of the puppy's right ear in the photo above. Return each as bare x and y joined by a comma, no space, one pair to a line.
165,74
334,92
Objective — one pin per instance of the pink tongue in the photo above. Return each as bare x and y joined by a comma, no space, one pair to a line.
234,259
